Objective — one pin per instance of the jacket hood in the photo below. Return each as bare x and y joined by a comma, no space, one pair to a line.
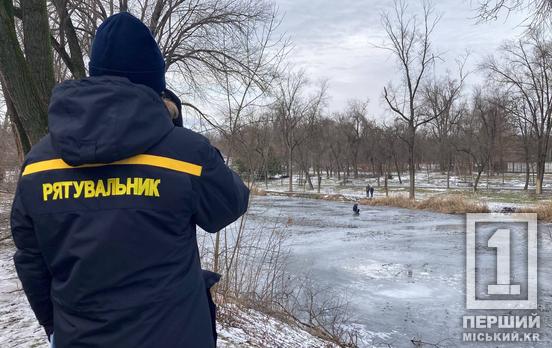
105,119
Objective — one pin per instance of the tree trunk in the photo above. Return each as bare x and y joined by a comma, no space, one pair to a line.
355,164
398,171
412,175
412,164
476,181
38,49
428,165
290,170
385,186
541,161
216,253
539,177
527,165
489,168
449,165
20,86
319,181
21,140
75,62
309,181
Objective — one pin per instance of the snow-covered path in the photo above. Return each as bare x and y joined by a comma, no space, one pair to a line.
403,271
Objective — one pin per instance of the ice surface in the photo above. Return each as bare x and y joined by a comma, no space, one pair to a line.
403,271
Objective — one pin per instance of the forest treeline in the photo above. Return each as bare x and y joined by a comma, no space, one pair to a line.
228,61
464,130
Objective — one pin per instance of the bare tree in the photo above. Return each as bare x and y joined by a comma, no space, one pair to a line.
247,95
524,67
203,41
355,126
539,10
480,130
296,113
409,42
441,96
334,132
519,109
318,146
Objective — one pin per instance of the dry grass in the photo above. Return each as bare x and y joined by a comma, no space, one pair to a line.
257,191
397,200
449,204
543,211
445,203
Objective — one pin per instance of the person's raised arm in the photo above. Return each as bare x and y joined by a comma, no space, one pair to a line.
222,196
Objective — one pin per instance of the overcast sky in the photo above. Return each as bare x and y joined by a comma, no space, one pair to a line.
335,40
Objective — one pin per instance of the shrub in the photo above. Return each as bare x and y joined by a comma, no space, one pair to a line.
543,211
452,204
449,204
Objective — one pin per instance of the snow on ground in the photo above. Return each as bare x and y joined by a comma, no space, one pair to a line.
249,328
497,192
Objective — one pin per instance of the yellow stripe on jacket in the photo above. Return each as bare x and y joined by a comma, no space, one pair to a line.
147,160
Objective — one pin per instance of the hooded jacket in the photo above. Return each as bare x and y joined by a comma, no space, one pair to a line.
104,219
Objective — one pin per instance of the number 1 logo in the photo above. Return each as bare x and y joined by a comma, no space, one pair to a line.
501,241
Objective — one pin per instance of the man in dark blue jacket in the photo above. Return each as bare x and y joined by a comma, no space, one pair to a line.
104,217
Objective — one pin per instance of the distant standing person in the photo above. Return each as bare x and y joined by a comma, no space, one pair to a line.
368,187
371,192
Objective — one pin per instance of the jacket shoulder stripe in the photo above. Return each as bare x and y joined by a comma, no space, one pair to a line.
147,160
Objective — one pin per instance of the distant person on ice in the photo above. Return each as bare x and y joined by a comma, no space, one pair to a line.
371,191
356,211
104,217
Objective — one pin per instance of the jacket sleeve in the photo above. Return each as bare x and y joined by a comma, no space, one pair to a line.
30,265
221,195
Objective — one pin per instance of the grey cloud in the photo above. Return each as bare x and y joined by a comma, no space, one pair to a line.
335,40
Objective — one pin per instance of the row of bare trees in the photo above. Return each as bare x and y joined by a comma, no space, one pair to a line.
437,118
520,72
475,132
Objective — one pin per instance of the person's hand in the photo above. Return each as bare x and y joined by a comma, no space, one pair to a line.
49,331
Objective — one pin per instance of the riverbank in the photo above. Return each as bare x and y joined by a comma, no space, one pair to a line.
439,201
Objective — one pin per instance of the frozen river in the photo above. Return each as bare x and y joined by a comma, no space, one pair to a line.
402,271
